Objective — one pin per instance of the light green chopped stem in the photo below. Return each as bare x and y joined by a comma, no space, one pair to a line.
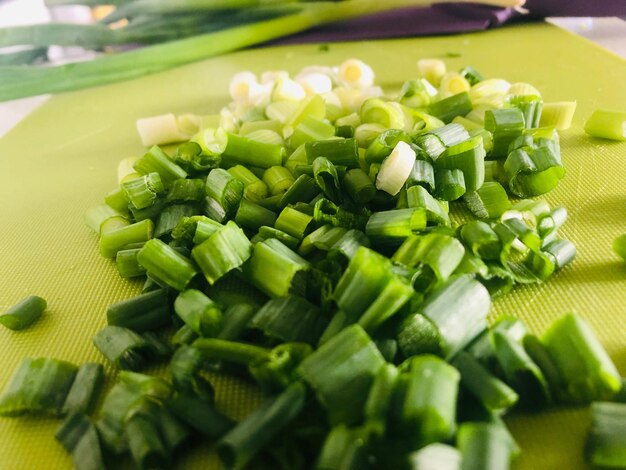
199,312
163,263
607,124
23,314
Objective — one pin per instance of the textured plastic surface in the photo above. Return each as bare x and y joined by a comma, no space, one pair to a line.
63,158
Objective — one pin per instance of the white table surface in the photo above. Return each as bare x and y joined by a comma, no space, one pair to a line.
609,33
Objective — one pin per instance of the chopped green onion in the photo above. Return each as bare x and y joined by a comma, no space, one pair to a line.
156,160
378,404
241,443
127,264
95,216
166,265
254,189
435,456
489,201
236,320
325,175
327,212
245,151
359,186
145,312
195,157
384,144
391,299
79,433
85,388
38,386
252,216
294,222
392,227
200,228
467,156
185,367
559,115
278,180
586,369
114,240
419,335
531,106
396,169
607,124
340,152
266,233
144,441
471,75
562,251
415,93
450,184
223,251
312,129
200,414
224,188
452,106
436,210
484,446
505,126
533,173
186,190
341,371
278,369
343,447
199,312
123,347
606,447
303,189
422,174
23,314
230,351
619,246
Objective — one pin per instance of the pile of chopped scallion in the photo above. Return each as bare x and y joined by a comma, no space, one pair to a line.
339,248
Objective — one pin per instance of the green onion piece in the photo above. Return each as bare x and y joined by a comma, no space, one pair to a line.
384,143
619,246
294,222
348,244
254,189
230,351
459,309
425,400
112,241
277,371
173,432
392,227
202,229
505,126
145,443
436,210
145,312
383,113
185,367
484,446
607,124
495,395
533,173
415,94
559,115
494,171
252,216
364,134
151,212
391,299
605,447
343,447
471,75
95,216
236,320
562,251
200,415
291,319
487,202
481,239
340,152
379,400
117,200
123,347
396,169
310,242
225,250
419,335
127,264
519,370
312,129
303,189
266,233
276,270
246,439
186,190
143,191
467,156
38,386
23,314
79,432
278,180
359,186
325,175
327,212
341,371
435,456
72,430
450,184
214,210
164,264
587,371
85,389
422,174
225,189
435,142
327,236
245,151
451,107
156,160
193,158
531,106
199,312
540,356
366,276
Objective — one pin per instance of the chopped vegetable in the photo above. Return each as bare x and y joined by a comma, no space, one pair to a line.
607,124
24,313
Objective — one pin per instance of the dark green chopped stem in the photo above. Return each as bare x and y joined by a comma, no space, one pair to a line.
236,320
278,369
112,241
484,446
214,210
199,312
344,447
538,352
495,395
127,264
200,414
467,156
379,400
481,240
185,366
123,347
535,172
459,309
389,228
327,212
340,152
173,431
144,441
171,215
327,239
348,244
341,371
436,210
294,222
145,312
252,216
87,452
391,299
230,351
151,212
304,189
277,270
450,184
326,177
72,430
195,159
23,314
309,243
605,447
204,229
291,319
184,335
246,439
265,233
505,125
358,185
38,386
424,403
245,151
224,251
224,188
166,265
487,202
85,389
451,107
587,371
419,335
156,160
440,253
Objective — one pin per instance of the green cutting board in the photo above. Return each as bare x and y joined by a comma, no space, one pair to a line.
62,159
